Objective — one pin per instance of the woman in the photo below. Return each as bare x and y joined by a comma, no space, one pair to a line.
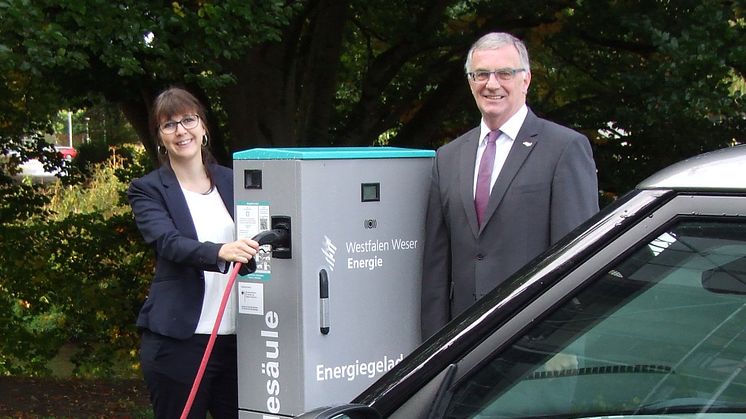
184,210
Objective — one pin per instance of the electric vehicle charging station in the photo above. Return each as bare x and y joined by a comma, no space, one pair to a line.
328,313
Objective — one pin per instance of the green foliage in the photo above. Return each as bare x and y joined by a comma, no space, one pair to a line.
76,275
132,162
83,40
96,195
21,201
99,121
106,124
650,82
90,154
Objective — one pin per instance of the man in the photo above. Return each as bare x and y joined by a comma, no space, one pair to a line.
538,182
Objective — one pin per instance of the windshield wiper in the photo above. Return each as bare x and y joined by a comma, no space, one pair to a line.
691,405
603,370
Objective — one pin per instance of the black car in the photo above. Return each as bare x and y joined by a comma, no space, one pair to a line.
639,312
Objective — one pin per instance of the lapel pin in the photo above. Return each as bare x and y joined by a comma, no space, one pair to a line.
527,144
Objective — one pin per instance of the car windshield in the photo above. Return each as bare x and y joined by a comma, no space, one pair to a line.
661,332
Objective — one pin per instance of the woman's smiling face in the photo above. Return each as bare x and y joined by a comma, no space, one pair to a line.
183,143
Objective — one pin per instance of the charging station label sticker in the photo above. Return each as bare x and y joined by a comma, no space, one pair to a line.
251,298
251,219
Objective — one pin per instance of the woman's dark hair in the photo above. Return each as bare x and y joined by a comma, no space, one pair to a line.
177,101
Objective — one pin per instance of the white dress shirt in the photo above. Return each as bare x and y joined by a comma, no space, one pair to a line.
509,132
213,223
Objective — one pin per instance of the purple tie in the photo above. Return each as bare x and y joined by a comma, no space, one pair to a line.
482,195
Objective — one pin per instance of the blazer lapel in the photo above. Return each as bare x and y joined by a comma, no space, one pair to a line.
176,203
522,146
466,175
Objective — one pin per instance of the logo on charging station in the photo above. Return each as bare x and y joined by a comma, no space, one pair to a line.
370,224
328,249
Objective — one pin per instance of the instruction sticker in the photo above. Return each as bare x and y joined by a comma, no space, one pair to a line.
251,219
251,298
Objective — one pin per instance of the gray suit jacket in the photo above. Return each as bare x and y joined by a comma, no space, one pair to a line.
546,188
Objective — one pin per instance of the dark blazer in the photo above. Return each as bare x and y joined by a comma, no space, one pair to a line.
174,302
546,188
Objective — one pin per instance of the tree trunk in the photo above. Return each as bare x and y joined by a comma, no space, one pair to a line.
284,91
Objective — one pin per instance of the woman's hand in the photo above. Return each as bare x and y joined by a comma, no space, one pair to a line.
240,250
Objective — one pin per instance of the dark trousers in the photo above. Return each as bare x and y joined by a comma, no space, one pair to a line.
170,367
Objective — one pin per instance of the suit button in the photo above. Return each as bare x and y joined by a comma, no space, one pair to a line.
480,256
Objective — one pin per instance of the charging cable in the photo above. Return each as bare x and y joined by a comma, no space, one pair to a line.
211,342
276,237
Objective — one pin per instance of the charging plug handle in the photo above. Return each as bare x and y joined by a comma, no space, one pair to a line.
277,237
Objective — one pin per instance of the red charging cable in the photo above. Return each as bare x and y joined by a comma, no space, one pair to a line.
211,342
278,235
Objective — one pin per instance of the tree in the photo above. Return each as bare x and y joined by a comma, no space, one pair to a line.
61,55
662,81
650,82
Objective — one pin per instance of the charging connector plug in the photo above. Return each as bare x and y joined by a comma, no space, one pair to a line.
278,237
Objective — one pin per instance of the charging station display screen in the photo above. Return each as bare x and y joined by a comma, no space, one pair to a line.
370,192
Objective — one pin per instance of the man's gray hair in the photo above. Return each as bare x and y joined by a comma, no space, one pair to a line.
495,40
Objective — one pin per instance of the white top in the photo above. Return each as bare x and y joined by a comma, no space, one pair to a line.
509,132
214,224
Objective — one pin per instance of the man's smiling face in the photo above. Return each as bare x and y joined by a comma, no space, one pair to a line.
498,100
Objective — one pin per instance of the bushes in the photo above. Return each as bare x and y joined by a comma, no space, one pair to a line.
76,272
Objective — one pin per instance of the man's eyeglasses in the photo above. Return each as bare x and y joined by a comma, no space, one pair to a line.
188,122
504,74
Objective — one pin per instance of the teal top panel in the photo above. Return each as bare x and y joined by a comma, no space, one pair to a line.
330,153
